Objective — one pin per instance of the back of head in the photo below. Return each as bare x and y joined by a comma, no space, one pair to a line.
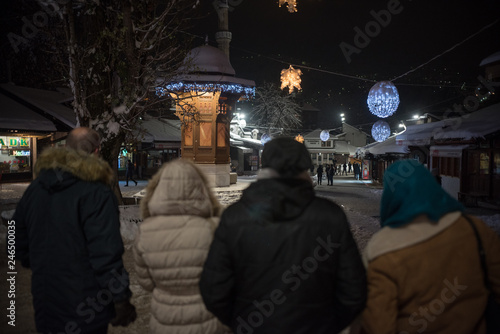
411,190
83,139
286,156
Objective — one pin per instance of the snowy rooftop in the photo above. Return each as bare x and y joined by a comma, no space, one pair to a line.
474,125
387,146
208,59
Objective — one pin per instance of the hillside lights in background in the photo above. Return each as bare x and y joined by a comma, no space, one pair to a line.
381,131
383,99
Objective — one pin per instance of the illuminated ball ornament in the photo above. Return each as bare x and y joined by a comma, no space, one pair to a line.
381,131
265,138
383,99
324,135
291,78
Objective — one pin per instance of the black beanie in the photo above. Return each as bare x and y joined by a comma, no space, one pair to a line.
286,156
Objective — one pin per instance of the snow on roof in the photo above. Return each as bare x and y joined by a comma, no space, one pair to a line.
207,58
474,125
387,146
160,130
343,147
251,141
15,116
313,134
490,59
48,101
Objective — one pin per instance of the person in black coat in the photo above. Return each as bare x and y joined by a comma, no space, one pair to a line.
357,170
129,173
284,260
68,234
320,174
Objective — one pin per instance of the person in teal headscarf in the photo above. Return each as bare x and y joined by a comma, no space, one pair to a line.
411,190
423,267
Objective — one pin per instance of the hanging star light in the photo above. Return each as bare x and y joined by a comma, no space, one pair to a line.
299,138
291,5
381,131
290,78
383,99
324,135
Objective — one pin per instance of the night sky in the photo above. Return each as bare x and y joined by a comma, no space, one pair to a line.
267,38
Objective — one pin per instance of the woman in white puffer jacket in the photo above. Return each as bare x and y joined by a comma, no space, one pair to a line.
180,214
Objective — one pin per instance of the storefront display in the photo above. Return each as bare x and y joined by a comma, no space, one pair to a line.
15,155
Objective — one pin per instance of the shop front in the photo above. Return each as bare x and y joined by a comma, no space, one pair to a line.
16,158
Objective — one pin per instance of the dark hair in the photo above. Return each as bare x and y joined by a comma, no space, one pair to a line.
286,156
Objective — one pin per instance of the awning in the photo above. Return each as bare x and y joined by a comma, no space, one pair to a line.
472,125
244,149
160,131
447,151
15,116
388,146
50,102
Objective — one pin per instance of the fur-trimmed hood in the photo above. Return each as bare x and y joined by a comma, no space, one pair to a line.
179,187
83,166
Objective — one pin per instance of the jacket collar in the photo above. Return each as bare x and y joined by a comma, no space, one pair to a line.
84,166
420,229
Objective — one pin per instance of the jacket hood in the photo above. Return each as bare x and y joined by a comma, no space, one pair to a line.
277,199
179,188
58,168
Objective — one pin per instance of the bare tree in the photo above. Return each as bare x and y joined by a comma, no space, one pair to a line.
275,111
117,50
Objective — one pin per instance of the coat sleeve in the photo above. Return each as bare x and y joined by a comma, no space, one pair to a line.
21,245
491,245
101,227
381,310
350,290
217,278
141,268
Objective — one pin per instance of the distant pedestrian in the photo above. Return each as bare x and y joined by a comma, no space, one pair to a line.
327,173
423,267
68,234
129,173
344,169
180,214
330,174
357,170
350,167
319,171
284,260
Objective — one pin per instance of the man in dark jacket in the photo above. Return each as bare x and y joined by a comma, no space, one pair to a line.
68,233
284,260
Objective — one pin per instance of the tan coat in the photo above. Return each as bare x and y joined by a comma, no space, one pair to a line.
180,215
427,278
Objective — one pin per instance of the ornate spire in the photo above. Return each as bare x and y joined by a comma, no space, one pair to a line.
223,36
